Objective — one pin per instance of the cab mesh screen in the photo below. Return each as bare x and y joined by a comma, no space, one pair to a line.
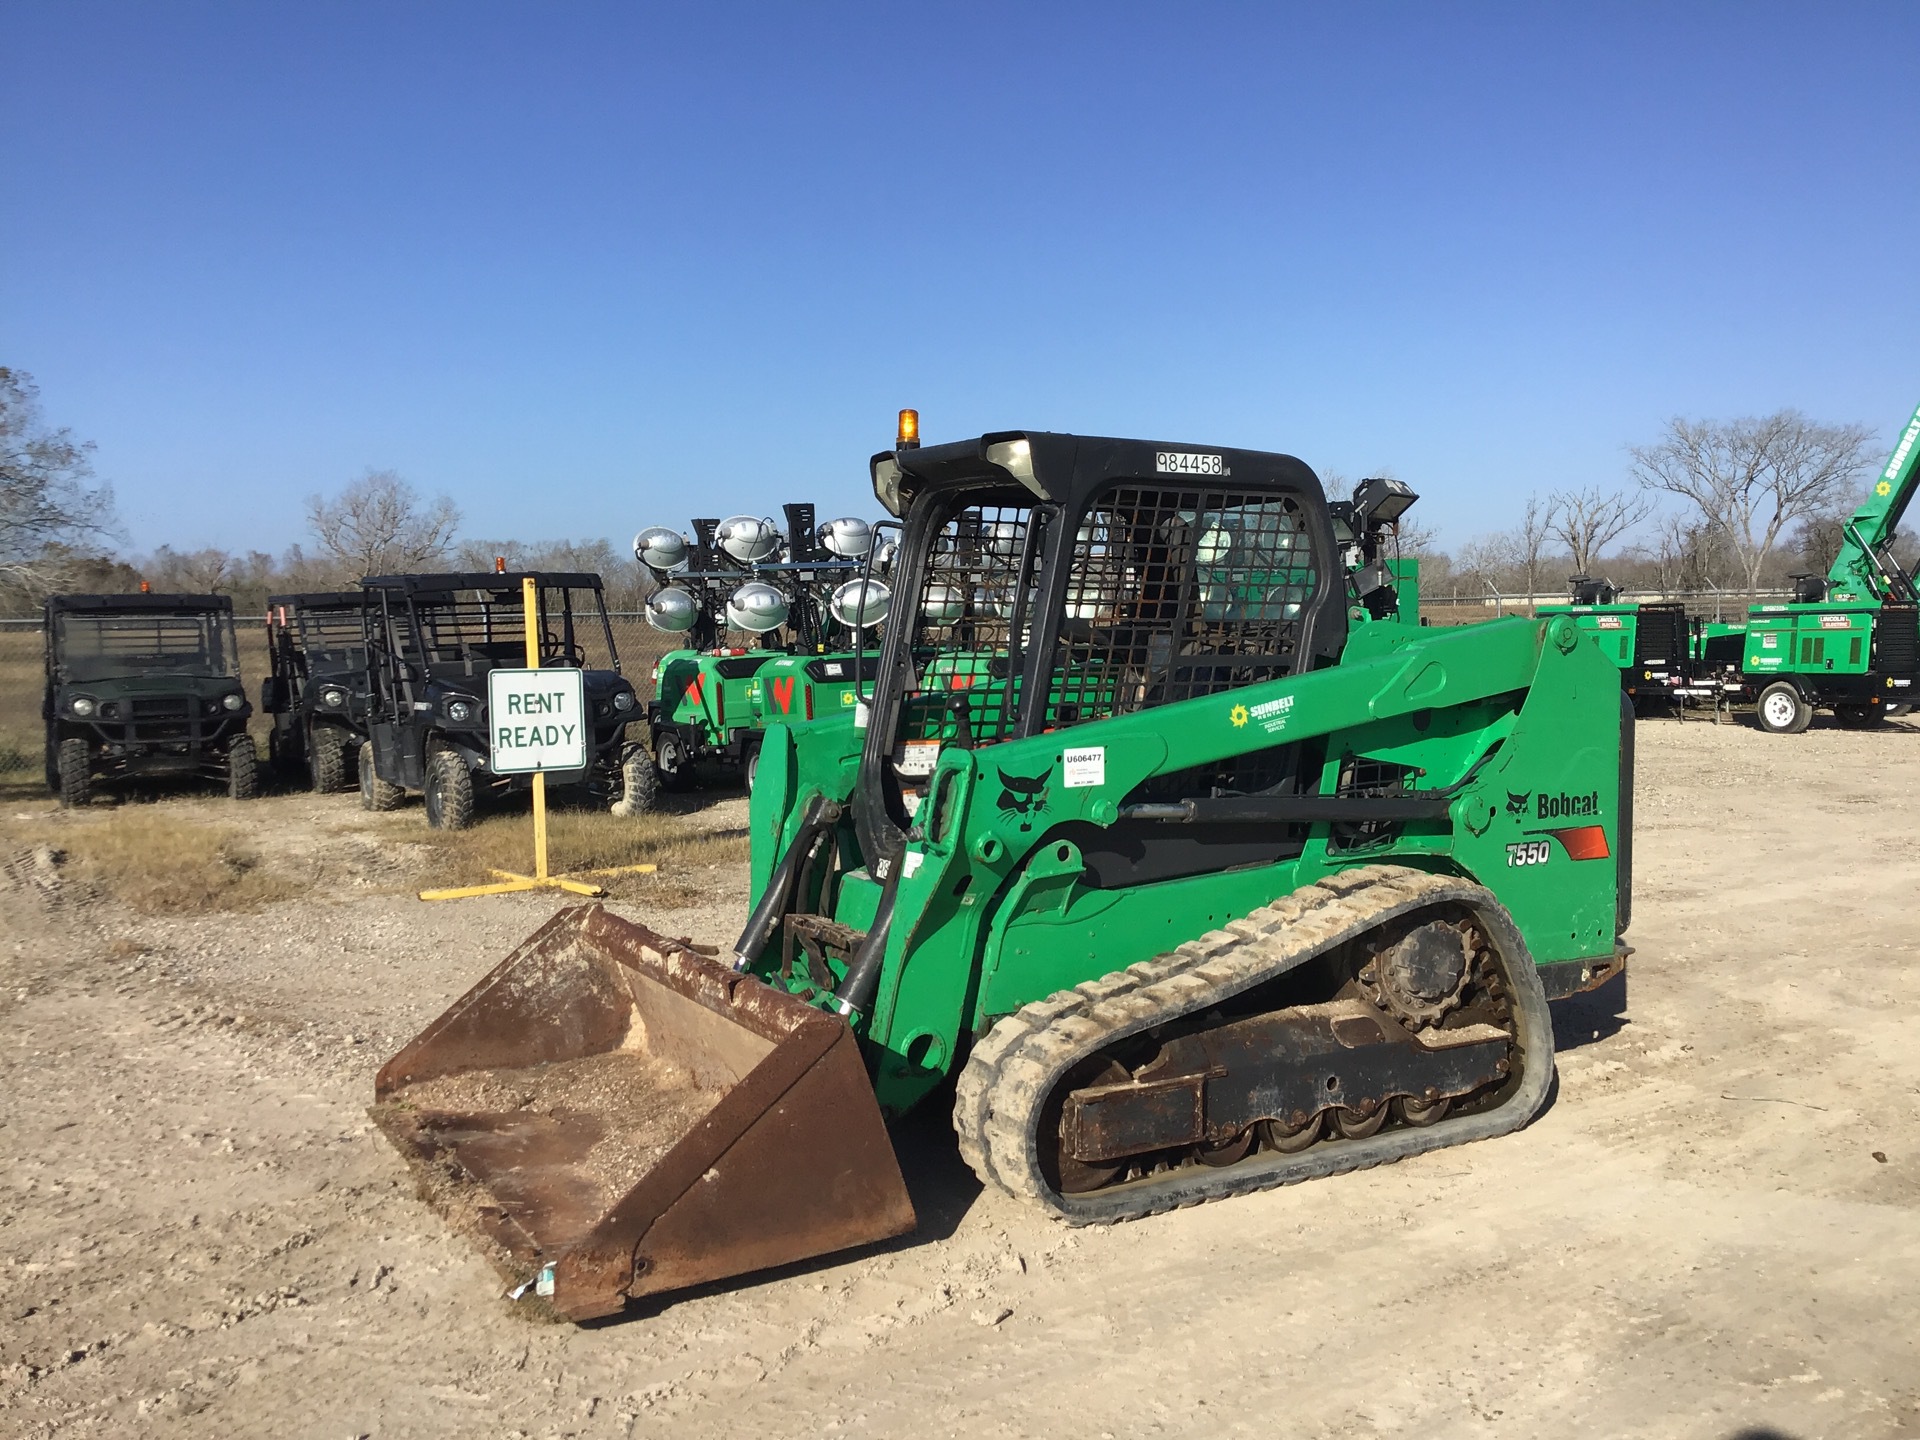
1177,593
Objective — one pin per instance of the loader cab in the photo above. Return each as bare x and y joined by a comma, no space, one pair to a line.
1586,590
1043,581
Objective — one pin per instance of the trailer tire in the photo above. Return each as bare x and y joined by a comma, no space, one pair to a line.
639,784
375,793
243,768
1895,710
672,762
752,767
327,747
1782,709
449,795
76,775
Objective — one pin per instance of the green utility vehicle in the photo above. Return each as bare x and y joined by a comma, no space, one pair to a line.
712,702
144,685
432,642
317,691
1849,641
1651,643
1196,867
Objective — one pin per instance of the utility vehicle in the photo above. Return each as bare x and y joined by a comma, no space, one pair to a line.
432,641
317,691
144,685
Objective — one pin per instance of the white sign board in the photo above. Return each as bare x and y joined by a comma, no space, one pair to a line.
536,720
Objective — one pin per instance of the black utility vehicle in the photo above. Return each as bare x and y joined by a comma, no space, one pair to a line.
141,685
433,639
317,693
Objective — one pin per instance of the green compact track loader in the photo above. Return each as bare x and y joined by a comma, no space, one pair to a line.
1161,847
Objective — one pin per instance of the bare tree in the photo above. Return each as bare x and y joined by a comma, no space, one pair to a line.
1587,521
1529,542
49,509
379,525
1752,478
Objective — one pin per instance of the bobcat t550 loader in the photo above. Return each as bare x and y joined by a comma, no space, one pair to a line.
1193,866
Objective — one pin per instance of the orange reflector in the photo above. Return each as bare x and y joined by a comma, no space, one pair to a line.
1584,842
909,429
145,588
499,564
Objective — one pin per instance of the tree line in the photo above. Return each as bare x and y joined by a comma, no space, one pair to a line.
1734,505
1758,500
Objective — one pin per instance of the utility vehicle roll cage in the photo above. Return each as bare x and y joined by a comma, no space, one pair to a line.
461,624
91,638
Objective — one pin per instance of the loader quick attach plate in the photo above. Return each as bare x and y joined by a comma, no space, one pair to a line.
618,1115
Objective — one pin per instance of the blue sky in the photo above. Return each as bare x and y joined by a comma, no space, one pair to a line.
588,267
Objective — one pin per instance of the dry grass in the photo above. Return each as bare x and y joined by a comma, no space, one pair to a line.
582,841
158,862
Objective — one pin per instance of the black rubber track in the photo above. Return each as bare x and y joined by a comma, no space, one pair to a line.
1004,1086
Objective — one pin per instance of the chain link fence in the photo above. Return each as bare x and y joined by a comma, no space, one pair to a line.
23,671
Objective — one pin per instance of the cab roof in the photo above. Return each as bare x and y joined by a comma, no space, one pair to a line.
1039,464
139,602
484,580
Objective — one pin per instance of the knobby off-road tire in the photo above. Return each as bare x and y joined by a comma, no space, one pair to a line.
1004,1089
639,784
75,776
327,747
243,768
1782,710
375,793
449,796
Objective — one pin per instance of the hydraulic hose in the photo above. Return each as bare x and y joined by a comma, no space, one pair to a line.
777,898
862,980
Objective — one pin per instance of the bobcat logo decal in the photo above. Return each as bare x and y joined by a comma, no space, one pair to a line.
1024,796
1517,804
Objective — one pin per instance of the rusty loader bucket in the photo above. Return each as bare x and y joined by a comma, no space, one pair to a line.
610,1114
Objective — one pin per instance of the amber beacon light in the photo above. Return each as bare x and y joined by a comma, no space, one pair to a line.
909,436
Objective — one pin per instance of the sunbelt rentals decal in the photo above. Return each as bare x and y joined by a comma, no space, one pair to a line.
1269,715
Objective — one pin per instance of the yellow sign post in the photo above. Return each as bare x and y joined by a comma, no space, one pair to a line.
511,882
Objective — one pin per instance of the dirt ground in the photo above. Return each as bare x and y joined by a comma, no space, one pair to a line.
1713,1231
